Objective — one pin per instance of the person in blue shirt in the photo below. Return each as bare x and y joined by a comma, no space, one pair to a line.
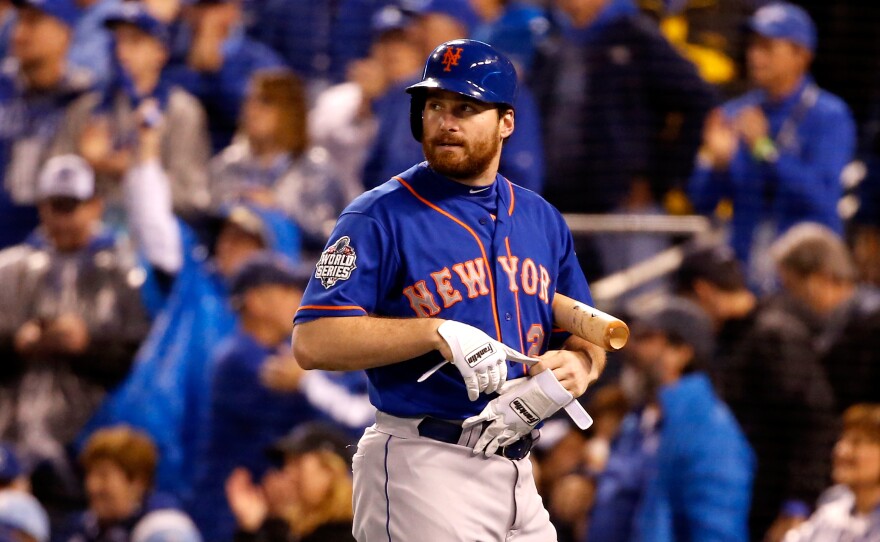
680,468
219,65
249,409
37,86
778,151
451,262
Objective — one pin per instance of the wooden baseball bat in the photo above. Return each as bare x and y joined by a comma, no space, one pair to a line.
589,323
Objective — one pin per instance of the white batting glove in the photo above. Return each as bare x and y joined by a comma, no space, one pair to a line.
517,411
481,360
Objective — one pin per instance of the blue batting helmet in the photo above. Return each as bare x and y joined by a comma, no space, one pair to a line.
467,67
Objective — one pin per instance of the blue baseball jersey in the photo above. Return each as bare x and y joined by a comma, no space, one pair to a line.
422,245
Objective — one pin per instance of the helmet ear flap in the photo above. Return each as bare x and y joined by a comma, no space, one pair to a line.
416,107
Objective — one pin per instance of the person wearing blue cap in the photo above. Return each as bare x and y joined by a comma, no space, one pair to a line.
258,391
35,94
104,126
777,152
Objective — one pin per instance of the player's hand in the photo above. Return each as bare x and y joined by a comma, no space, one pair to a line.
517,411
481,360
570,367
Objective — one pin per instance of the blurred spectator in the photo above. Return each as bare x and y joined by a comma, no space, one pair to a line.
12,472
36,88
220,63
103,126
72,321
680,469
619,105
307,500
318,40
271,163
435,22
342,119
22,518
849,510
778,151
248,410
622,112
513,27
817,269
187,282
92,45
165,526
708,33
120,468
766,368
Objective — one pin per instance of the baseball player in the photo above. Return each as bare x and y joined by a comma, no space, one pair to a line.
450,261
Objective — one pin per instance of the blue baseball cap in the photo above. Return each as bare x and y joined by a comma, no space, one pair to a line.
22,512
10,466
136,14
268,268
460,10
782,20
63,10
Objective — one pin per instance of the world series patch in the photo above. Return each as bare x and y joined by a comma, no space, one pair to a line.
336,263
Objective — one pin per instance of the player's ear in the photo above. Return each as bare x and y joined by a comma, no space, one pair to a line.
506,122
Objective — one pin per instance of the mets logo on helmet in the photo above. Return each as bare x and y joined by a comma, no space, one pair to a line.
451,59
336,263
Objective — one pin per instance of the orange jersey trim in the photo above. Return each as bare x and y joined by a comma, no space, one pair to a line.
522,345
512,199
331,308
479,243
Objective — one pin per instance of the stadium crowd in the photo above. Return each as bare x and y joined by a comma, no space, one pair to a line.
171,170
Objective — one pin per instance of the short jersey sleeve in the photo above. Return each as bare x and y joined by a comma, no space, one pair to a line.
353,273
571,281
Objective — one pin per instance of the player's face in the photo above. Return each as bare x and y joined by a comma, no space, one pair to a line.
461,136
856,460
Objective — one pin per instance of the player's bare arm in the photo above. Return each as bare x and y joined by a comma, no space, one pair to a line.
576,366
364,342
